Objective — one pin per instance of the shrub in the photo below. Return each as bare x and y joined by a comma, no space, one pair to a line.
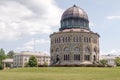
103,62
45,64
82,65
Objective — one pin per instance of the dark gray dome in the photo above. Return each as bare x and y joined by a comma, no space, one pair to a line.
74,12
74,17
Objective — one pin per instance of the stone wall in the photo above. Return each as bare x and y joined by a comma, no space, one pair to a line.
74,47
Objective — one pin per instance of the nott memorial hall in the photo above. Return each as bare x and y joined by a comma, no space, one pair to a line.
74,43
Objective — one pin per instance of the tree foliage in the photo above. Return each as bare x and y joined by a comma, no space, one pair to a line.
1,66
117,61
103,62
2,55
33,61
10,54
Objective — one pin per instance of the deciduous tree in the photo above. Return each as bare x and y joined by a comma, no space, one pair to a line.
117,61
10,54
2,55
1,66
33,61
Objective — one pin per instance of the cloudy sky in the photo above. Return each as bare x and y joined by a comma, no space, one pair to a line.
25,25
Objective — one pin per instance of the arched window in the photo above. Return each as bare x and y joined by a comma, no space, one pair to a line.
68,39
57,50
85,39
79,39
55,40
87,54
87,50
66,57
89,40
86,57
66,49
59,40
76,39
73,39
76,56
77,49
63,40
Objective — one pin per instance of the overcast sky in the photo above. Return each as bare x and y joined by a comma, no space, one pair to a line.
25,25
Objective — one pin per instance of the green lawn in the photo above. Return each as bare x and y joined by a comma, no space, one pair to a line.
61,73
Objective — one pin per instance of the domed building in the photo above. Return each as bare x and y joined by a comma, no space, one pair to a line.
75,43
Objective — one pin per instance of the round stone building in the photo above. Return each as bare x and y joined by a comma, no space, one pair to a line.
75,43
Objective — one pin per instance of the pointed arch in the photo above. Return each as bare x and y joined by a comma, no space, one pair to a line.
76,49
87,54
94,58
66,49
57,50
87,50
95,49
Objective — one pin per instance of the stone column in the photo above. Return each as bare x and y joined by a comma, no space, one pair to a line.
82,56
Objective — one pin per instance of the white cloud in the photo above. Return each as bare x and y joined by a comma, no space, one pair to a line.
20,18
29,46
114,52
113,17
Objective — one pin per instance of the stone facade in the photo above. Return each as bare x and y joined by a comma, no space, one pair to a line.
74,45
77,45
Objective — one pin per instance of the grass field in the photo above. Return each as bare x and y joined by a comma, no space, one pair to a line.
61,73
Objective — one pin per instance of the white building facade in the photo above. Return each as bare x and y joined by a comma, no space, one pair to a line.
110,59
22,59
7,61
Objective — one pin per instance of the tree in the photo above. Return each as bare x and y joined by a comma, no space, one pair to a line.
10,54
1,66
103,62
2,55
117,61
33,61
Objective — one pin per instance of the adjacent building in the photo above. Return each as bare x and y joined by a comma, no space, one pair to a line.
21,59
74,43
110,59
7,63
